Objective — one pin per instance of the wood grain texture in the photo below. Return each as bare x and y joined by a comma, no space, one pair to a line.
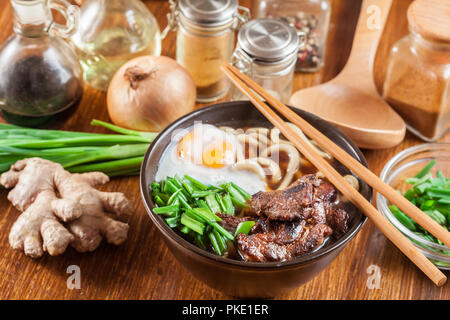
339,101
142,268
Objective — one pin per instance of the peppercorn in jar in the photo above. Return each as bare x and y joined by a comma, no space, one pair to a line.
311,20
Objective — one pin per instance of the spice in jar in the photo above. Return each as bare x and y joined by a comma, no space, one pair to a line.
205,39
309,55
267,51
311,20
417,83
202,57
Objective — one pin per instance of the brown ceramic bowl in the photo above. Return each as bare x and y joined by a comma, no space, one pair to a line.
239,278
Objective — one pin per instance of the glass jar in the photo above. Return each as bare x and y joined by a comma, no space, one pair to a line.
111,33
407,164
310,18
267,52
417,83
205,38
40,76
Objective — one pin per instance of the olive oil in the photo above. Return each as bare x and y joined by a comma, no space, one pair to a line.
111,33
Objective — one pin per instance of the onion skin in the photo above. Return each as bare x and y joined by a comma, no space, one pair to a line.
148,93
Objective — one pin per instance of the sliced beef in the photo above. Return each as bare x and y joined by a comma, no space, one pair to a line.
278,231
338,219
326,191
292,222
261,199
260,247
313,238
230,222
292,203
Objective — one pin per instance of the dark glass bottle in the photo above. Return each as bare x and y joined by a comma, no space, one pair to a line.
40,76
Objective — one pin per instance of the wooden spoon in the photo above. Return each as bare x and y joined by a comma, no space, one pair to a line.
351,100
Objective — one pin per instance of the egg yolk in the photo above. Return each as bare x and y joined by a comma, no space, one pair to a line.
215,154
185,146
218,154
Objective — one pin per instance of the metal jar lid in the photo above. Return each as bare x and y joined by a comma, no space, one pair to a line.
268,40
208,12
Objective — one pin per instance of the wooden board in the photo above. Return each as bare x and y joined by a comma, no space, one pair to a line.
143,268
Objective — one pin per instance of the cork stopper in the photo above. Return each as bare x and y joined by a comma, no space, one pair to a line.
430,19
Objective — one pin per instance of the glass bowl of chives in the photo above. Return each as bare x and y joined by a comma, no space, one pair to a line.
422,174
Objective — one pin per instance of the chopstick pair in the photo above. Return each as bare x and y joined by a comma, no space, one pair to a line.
253,91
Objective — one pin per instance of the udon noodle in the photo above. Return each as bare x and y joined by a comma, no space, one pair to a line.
258,148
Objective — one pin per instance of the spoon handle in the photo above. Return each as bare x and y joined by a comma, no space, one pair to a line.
372,20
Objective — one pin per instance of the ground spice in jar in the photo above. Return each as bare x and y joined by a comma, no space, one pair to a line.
417,83
203,56
205,39
417,95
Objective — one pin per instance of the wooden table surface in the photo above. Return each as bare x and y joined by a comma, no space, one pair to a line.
142,268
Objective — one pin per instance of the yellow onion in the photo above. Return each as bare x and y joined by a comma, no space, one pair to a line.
148,93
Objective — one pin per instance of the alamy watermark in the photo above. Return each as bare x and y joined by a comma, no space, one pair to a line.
74,280
374,19
374,279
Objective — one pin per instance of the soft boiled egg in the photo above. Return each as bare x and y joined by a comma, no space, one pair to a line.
207,154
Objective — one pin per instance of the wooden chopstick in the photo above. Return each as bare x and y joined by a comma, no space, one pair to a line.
365,174
334,177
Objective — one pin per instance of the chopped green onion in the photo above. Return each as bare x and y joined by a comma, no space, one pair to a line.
403,218
177,181
238,203
214,243
188,186
222,231
220,241
212,203
426,169
202,204
236,197
438,193
437,216
160,202
196,183
244,227
173,196
184,202
191,207
193,224
432,196
201,194
198,238
172,222
204,214
166,209
244,193
185,230
229,208
155,186
220,202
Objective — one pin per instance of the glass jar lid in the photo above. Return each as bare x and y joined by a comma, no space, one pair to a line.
211,12
268,40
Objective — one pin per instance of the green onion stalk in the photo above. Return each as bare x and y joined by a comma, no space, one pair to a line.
119,154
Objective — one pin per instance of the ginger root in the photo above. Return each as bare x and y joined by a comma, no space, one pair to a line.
61,208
